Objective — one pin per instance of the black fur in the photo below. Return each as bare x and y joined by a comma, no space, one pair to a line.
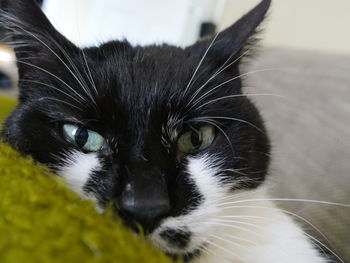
179,239
138,89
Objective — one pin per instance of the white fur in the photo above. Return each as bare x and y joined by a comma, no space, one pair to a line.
77,168
263,235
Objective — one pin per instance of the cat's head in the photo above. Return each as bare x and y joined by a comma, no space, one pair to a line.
161,133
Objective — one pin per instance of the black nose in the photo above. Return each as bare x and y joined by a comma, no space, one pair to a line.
144,202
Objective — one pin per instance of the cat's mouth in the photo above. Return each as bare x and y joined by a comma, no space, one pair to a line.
176,243
186,257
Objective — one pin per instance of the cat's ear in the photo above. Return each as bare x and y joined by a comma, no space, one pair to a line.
231,42
30,33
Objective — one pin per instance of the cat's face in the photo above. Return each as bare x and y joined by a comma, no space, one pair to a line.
161,133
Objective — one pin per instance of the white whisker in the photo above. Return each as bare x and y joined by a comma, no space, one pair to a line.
225,249
54,53
286,212
228,81
229,241
79,78
234,227
232,119
221,130
52,87
241,239
220,70
289,200
200,63
89,72
323,245
53,75
237,96
58,100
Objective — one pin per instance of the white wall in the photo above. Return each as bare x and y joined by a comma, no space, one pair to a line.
89,22
306,24
322,25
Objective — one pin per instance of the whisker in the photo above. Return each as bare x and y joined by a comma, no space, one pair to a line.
58,100
53,52
81,80
237,96
220,70
228,81
221,130
323,245
236,222
241,239
53,75
52,87
200,63
233,119
89,72
238,195
287,212
228,241
225,249
234,227
249,217
210,250
289,200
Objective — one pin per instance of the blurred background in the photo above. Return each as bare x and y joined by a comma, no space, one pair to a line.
320,25
305,59
308,24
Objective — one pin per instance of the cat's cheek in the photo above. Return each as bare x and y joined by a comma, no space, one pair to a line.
76,168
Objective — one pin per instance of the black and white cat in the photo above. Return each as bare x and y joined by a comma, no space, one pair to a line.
162,133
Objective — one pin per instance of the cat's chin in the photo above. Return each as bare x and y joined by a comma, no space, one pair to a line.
186,254
176,243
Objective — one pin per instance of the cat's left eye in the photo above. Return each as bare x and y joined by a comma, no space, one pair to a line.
83,138
196,140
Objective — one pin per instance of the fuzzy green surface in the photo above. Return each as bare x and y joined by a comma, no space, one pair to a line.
41,220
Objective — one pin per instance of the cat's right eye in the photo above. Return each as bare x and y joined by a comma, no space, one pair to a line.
196,140
83,138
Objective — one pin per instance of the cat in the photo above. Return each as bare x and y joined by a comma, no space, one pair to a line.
164,135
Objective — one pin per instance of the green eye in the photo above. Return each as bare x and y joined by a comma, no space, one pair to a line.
83,138
196,140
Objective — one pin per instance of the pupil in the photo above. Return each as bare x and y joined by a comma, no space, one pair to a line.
196,139
81,137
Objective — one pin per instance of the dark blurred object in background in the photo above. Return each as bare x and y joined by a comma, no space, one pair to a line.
40,2
207,29
8,70
5,81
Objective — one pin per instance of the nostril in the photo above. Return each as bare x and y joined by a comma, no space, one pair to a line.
144,209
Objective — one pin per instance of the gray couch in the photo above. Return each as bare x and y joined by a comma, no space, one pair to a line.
310,132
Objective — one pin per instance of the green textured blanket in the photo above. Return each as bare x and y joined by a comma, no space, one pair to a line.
41,220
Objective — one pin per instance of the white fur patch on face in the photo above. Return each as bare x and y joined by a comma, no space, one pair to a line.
237,227
77,168
203,173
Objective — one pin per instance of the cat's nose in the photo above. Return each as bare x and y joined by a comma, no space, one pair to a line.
145,202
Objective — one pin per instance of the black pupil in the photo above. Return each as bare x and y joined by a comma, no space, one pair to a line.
196,139
81,137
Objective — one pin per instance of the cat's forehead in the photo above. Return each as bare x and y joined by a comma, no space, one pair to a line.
156,64
140,76
144,86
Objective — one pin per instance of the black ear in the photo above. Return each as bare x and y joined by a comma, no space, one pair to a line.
30,33
232,41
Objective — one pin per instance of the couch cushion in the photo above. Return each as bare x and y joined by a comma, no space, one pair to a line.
310,132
